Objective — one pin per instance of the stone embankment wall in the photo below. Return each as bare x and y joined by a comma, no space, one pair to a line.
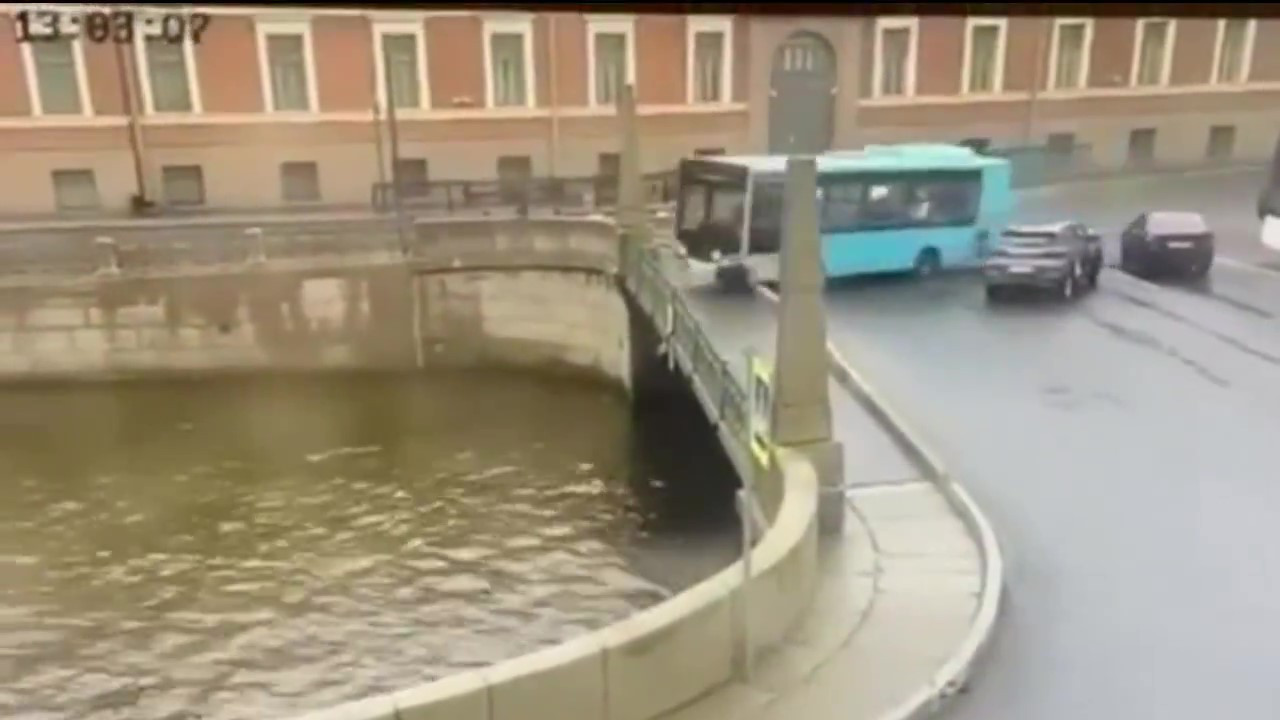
533,292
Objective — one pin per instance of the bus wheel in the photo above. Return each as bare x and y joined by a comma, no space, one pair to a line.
927,263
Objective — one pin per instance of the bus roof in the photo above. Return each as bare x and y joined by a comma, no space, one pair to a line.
907,156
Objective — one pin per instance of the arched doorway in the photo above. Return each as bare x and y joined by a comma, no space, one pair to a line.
802,95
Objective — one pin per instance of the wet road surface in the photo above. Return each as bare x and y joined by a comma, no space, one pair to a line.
1123,447
246,548
1125,450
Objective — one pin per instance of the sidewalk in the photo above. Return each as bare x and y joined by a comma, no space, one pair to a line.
897,594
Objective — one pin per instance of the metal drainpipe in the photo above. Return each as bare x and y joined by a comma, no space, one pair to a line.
128,75
553,98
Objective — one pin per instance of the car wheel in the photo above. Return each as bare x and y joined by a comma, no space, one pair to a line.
995,294
734,279
1199,271
927,264
1067,288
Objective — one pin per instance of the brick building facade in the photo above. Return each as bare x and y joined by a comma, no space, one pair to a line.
275,106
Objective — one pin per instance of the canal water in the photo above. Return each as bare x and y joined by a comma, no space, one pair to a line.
241,548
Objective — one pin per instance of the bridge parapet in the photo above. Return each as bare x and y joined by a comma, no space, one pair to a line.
559,243
80,259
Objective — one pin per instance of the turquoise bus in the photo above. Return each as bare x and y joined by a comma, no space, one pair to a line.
883,209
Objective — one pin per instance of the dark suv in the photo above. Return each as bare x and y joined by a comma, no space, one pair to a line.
1167,241
1064,257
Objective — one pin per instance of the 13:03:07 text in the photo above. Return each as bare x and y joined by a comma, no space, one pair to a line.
115,26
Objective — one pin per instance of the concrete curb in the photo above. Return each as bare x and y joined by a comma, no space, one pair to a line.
954,674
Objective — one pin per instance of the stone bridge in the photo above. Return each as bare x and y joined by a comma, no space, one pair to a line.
366,290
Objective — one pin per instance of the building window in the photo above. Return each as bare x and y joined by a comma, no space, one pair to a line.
709,57
1222,142
514,174
402,64
608,165
1233,52
895,57
183,185
1060,144
412,173
509,63
168,85
56,76
288,68
167,72
75,190
612,58
1142,146
984,55
300,182
1069,54
1153,52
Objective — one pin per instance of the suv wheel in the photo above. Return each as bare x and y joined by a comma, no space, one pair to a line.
1067,288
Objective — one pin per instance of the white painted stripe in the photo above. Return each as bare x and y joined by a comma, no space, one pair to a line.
1247,266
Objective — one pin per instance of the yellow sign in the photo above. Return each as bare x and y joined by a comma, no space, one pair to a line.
760,408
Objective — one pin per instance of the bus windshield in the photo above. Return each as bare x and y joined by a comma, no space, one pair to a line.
709,208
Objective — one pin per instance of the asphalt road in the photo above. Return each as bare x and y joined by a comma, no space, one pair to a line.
1125,450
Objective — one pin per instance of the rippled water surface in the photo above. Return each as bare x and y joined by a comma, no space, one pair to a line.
240,548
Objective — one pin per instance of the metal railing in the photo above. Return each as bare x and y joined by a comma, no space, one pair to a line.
559,194
1034,165
719,389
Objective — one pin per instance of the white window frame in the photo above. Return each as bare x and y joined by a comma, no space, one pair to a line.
69,30
522,26
1055,45
1171,41
143,62
1251,31
1002,46
693,25
262,29
609,25
382,28
912,26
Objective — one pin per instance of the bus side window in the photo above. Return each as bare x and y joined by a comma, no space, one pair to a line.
887,204
946,201
766,206
842,206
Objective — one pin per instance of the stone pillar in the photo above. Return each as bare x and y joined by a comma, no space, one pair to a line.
632,212
108,255
630,209
801,394
257,246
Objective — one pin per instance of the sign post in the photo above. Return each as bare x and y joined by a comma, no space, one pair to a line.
760,444
760,404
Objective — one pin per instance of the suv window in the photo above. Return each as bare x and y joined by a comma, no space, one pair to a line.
1176,223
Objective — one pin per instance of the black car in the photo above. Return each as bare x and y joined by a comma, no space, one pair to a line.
1167,241
1063,257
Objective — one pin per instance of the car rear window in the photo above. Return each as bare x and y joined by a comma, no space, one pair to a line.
1176,223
